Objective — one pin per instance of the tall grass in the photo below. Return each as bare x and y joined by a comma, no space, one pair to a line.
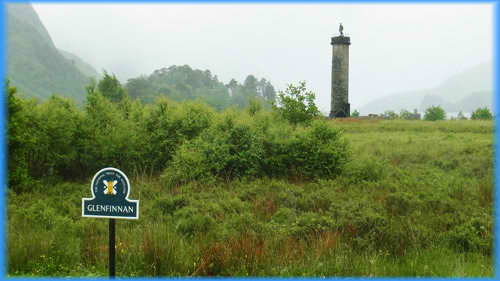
415,200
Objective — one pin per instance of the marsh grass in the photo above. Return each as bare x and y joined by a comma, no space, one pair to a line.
415,200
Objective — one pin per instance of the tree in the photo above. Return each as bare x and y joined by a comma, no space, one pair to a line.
232,86
390,114
20,141
250,86
461,116
355,114
269,92
296,105
111,88
255,105
58,136
482,114
405,114
434,113
137,87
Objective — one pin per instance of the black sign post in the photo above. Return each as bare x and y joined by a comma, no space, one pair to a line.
110,189
112,248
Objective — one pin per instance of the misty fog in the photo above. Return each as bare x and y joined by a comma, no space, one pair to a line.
395,47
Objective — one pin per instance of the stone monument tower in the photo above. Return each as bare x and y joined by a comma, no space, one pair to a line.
340,106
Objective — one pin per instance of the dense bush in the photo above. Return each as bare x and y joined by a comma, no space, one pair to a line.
187,141
482,114
20,141
434,113
240,146
390,114
405,114
56,127
296,105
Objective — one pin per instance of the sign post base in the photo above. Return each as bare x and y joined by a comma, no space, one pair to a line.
112,271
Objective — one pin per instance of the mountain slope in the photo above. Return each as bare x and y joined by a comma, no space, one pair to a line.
84,67
34,65
396,102
478,78
464,91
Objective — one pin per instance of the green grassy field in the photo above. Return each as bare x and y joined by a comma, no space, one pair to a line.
415,200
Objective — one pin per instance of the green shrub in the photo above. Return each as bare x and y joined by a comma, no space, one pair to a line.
192,220
318,151
362,223
236,147
169,125
228,150
58,122
254,106
311,223
482,114
355,114
434,113
401,203
284,216
473,236
390,114
20,141
369,169
168,205
296,105
405,114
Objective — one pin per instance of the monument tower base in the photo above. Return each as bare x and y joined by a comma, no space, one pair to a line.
341,111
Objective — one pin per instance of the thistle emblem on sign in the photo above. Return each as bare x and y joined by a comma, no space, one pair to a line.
109,188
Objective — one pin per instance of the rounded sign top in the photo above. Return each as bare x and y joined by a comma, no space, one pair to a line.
109,183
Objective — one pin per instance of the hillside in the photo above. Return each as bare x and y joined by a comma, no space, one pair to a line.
459,86
83,66
464,91
35,66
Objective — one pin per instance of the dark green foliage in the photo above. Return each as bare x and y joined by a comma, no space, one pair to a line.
111,88
20,141
296,105
168,125
482,114
405,114
254,106
56,129
319,151
181,83
470,236
230,148
434,113
241,146
401,203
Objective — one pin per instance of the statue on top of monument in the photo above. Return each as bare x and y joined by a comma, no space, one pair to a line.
341,28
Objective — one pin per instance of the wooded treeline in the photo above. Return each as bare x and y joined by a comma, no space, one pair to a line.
181,83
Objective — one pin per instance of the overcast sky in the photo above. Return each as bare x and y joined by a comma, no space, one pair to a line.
394,47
